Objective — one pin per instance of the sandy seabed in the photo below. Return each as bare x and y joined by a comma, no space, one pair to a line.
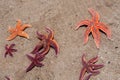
61,16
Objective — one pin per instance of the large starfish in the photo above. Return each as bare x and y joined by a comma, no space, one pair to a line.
93,26
36,61
89,67
18,31
10,49
47,41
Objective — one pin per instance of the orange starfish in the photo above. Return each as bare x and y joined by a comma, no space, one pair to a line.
18,31
93,26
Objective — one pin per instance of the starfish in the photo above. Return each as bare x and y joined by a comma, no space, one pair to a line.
36,61
10,49
47,41
93,26
18,31
90,67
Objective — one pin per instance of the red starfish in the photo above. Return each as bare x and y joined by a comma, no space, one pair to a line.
36,61
90,67
47,41
93,26
10,49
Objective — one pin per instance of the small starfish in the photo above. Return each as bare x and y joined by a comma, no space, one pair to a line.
93,26
18,31
90,67
10,49
47,41
36,61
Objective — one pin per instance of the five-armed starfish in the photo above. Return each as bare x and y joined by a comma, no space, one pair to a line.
47,41
10,49
18,31
93,26
36,61
89,67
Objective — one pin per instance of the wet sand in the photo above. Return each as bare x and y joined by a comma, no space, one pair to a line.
61,16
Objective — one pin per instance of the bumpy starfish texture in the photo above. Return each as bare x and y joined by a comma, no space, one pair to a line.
9,50
36,61
46,43
93,26
89,67
18,31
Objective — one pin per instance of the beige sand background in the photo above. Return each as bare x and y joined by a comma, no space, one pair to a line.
61,16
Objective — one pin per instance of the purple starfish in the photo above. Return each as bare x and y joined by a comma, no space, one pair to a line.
36,61
9,50
46,43
89,67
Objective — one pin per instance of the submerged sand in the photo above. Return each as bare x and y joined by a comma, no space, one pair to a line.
61,16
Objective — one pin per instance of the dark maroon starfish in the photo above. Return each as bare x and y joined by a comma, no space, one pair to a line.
36,61
89,67
46,42
9,50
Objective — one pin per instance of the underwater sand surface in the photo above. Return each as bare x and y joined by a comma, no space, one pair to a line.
61,16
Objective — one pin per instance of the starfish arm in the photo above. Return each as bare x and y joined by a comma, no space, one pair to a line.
105,29
94,74
13,50
95,15
39,64
84,22
51,33
96,36
11,30
40,57
6,46
40,36
30,57
25,26
91,74
54,44
87,32
5,54
19,23
44,51
12,36
93,60
10,54
31,66
82,73
11,46
95,67
90,70
88,77
37,48
23,34
84,62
